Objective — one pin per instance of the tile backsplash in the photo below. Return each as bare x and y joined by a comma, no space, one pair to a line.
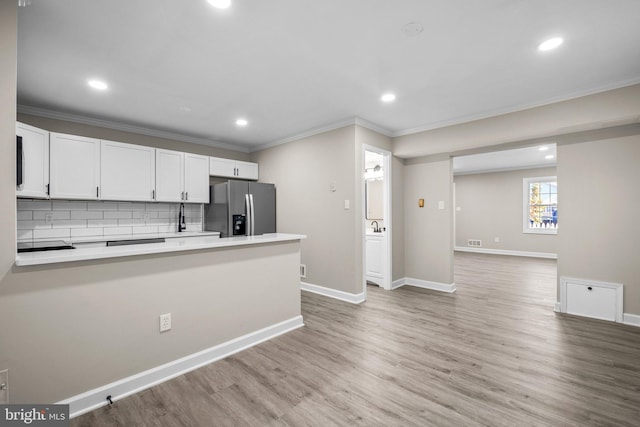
62,219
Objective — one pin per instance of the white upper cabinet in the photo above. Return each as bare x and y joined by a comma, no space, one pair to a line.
34,160
74,167
196,178
232,168
63,166
181,177
222,167
247,170
170,176
127,171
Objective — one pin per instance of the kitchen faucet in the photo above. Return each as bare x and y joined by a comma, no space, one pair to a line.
181,221
376,229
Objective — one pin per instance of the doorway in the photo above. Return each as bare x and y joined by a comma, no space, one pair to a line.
376,214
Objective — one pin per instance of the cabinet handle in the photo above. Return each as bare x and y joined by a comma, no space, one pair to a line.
48,190
186,195
97,192
590,288
153,194
182,196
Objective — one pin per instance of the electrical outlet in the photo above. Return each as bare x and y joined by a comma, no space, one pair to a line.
303,271
165,322
4,387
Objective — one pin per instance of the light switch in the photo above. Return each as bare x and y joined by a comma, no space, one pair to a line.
346,204
441,205
333,186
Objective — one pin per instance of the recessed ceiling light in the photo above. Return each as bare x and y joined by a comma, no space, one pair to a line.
242,122
98,84
549,157
388,97
543,148
220,4
550,44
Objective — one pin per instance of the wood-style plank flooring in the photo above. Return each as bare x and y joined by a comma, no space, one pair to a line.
493,354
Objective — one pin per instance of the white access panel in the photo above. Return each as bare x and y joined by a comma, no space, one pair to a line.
599,300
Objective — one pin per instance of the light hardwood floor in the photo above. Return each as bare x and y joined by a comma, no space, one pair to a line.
494,353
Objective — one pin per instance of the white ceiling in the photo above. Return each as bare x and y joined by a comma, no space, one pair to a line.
289,66
543,155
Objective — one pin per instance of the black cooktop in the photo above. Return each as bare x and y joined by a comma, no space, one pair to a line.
50,245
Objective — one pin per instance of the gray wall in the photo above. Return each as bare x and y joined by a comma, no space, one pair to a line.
491,206
128,137
428,237
599,204
592,112
303,171
397,207
8,80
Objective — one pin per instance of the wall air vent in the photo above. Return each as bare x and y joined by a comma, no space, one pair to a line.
474,243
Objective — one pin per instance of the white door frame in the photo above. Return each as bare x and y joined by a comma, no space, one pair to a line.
387,199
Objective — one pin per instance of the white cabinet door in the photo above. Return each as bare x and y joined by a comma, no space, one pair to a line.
74,167
374,256
35,162
232,168
222,167
246,170
196,178
170,176
127,171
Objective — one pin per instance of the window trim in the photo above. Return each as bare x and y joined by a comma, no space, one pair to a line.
525,205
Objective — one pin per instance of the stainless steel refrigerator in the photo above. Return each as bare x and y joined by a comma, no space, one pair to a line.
241,208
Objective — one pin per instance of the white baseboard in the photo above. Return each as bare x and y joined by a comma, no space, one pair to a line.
93,399
506,252
631,319
398,283
434,286
333,293
627,319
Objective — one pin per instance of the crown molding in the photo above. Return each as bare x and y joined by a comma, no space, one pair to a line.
519,107
91,121
372,126
322,129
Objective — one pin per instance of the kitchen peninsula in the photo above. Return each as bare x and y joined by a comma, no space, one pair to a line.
223,295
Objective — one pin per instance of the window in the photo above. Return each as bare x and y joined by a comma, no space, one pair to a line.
540,205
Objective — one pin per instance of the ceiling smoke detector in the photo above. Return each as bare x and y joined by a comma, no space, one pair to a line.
412,29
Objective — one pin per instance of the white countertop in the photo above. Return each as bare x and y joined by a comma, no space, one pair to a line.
175,244
89,239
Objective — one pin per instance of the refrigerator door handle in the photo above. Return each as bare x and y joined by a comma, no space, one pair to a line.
253,225
248,219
